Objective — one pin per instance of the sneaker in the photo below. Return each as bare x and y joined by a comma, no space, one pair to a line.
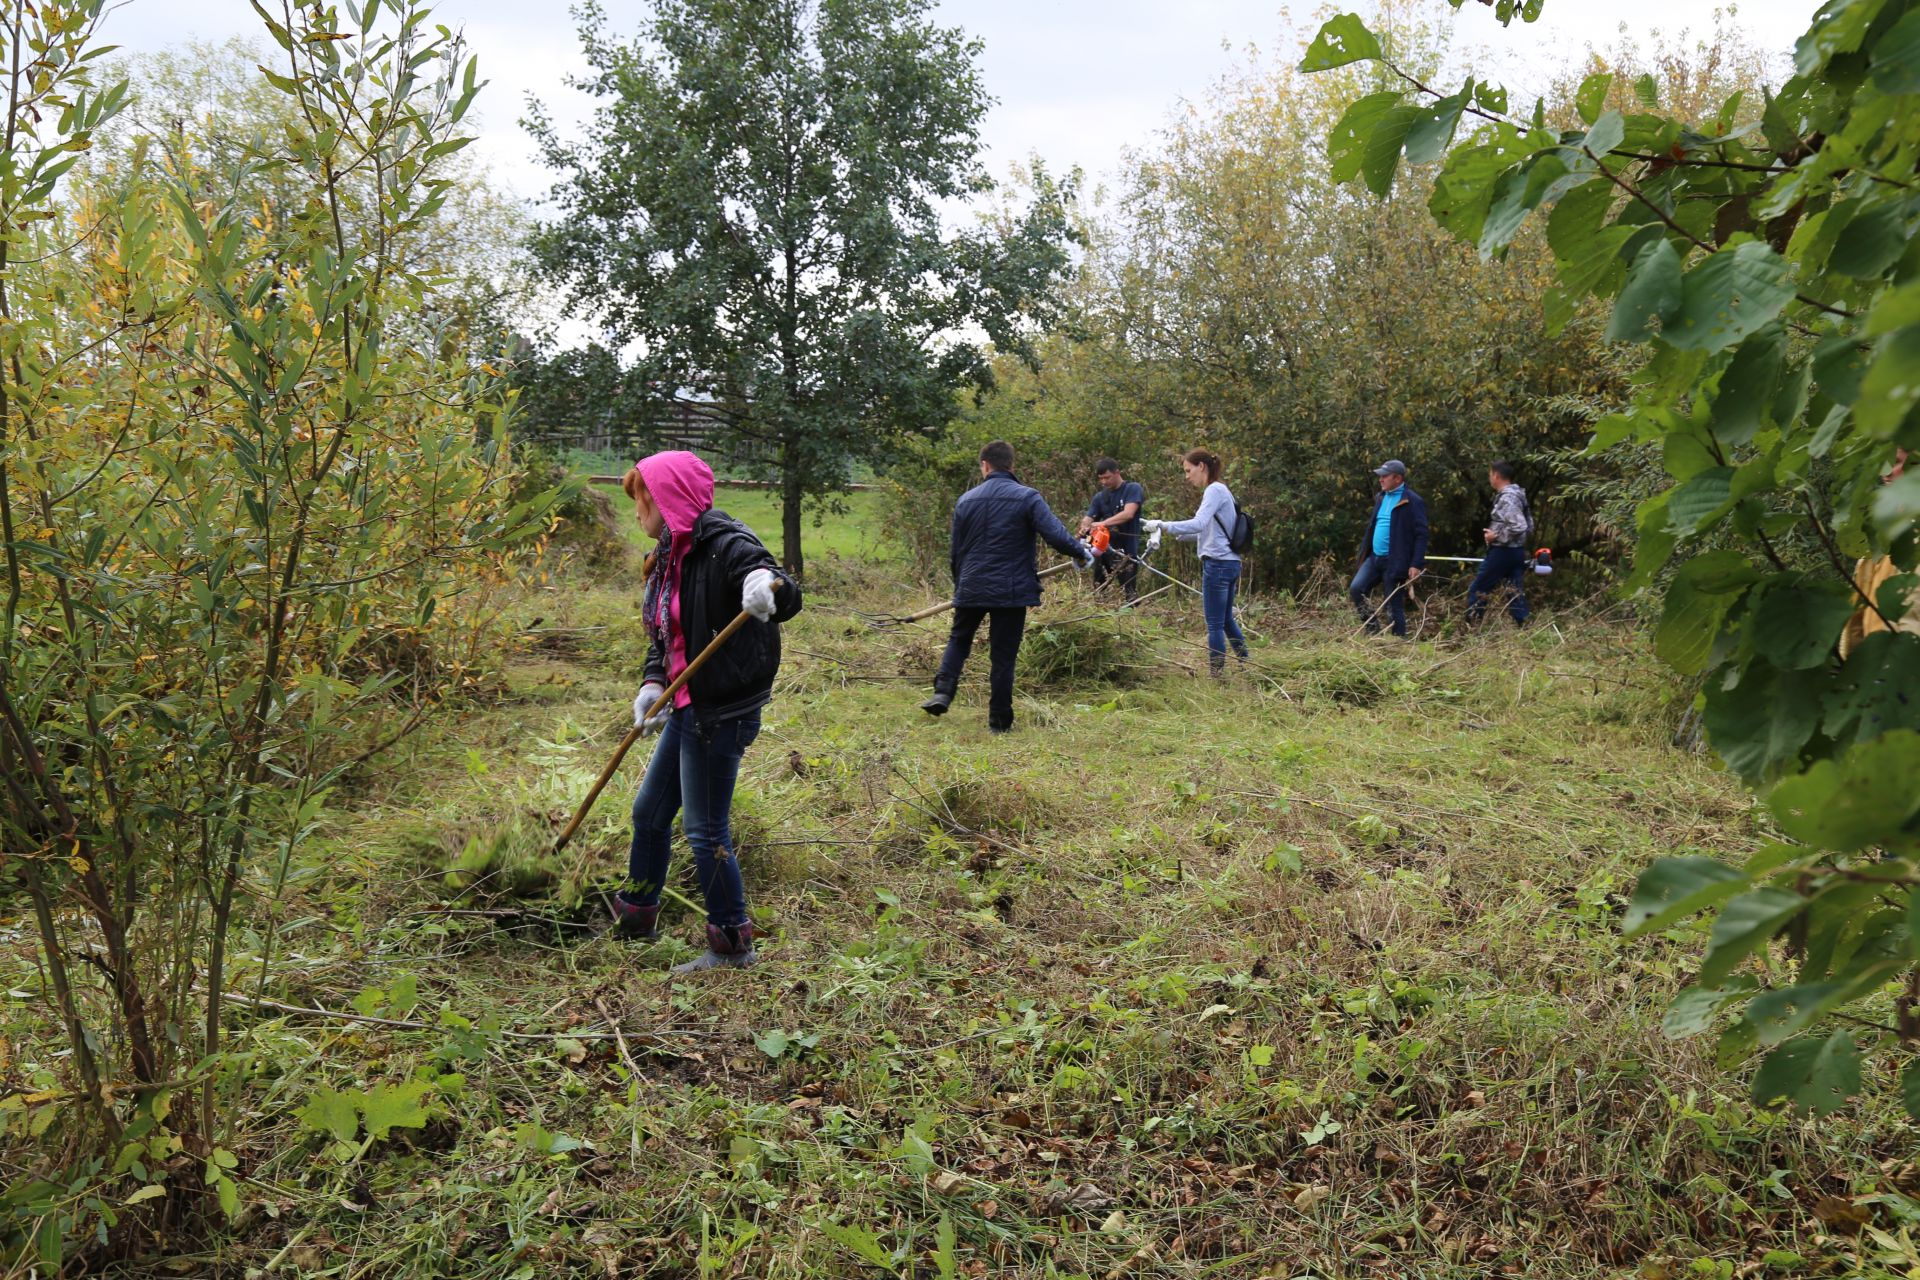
730,948
635,921
937,705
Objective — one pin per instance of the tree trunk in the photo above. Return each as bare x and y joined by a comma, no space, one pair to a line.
790,494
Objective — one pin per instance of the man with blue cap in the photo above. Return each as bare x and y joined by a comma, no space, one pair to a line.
1393,549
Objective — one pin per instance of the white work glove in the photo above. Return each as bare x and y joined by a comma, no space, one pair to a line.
1153,538
1085,562
756,594
644,703
1153,527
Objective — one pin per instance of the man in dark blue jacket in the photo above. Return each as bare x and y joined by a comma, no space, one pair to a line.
1393,548
992,556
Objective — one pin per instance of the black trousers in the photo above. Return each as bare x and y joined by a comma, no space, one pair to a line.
1009,625
1112,564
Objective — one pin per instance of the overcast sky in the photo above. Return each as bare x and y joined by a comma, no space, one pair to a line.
1076,80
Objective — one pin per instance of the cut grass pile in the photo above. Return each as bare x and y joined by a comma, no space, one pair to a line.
1313,971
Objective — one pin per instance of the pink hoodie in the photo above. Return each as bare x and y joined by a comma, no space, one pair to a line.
681,485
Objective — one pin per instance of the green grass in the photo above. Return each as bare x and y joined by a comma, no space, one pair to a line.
1314,971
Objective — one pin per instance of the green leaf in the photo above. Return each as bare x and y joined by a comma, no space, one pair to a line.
1693,614
1870,695
1432,132
1760,724
1382,153
1652,292
1744,926
332,1113
1672,889
228,1194
1814,1074
1839,365
387,1107
772,1043
1647,90
1787,1011
1606,134
1861,800
1897,308
1871,239
538,1138
1694,1010
1700,500
1896,507
1892,385
1748,386
1591,97
1796,624
860,1242
1729,295
1347,144
1342,39
1896,57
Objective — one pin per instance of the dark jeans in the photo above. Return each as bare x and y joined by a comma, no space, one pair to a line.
1373,575
1501,564
692,775
1009,625
1112,564
1219,580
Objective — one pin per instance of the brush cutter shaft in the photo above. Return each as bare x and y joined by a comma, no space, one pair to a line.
665,707
945,605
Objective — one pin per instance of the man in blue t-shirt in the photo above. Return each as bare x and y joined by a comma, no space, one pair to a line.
1393,549
1116,504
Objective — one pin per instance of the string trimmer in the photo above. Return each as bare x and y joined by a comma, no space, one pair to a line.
885,620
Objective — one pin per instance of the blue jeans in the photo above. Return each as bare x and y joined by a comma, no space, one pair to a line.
692,775
1501,564
1219,579
1373,575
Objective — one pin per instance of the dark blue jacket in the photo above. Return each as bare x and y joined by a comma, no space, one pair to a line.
1406,533
992,543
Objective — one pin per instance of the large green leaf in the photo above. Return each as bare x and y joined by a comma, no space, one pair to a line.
1728,295
1759,725
1591,97
1652,292
1896,57
1873,692
1347,144
1381,156
1693,1011
1674,888
1892,384
1430,134
1796,623
1743,926
1861,800
331,1112
1700,500
1811,1073
387,1107
1748,386
1871,239
1342,39
1787,1011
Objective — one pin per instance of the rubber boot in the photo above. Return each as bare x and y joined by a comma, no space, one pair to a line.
937,705
634,921
728,948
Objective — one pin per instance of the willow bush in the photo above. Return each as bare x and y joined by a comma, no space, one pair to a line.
242,512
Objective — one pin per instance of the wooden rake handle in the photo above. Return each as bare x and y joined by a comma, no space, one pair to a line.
664,701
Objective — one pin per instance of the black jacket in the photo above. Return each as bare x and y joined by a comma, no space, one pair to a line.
739,678
992,543
1406,534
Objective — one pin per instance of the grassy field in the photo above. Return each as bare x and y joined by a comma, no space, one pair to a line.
1313,971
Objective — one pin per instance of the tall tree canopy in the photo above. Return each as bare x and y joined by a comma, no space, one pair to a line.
758,208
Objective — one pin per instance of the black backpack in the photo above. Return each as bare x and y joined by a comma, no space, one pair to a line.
1240,537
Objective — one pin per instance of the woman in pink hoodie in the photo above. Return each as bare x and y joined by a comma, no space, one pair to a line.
707,568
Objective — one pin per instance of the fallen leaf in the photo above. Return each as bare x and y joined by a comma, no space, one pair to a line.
1307,1199
946,1182
1116,1222
1085,1199
1841,1214
554,1204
